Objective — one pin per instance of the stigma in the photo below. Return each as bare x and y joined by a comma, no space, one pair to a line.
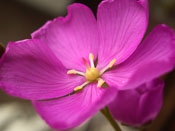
92,74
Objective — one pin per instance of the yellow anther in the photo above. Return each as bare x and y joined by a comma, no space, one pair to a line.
100,82
91,56
78,88
112,63
71,72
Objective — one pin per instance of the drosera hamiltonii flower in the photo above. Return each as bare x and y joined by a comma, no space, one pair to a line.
139,106
55,69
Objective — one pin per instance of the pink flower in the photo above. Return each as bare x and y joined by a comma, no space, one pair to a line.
44,69
138,106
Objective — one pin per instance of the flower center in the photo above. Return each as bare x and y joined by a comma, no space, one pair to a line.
92,74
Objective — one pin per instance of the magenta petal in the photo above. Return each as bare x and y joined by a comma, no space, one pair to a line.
154,57
122,24
71,38
30,70
144,3
138,106
72,110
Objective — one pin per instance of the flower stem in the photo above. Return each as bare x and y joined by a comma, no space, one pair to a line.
107,114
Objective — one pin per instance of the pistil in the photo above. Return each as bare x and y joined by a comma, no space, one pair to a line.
92,74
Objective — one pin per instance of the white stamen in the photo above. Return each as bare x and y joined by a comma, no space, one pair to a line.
100,82
81,86
91,59
75,72
110,65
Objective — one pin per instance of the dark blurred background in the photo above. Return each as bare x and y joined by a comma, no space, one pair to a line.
19,18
